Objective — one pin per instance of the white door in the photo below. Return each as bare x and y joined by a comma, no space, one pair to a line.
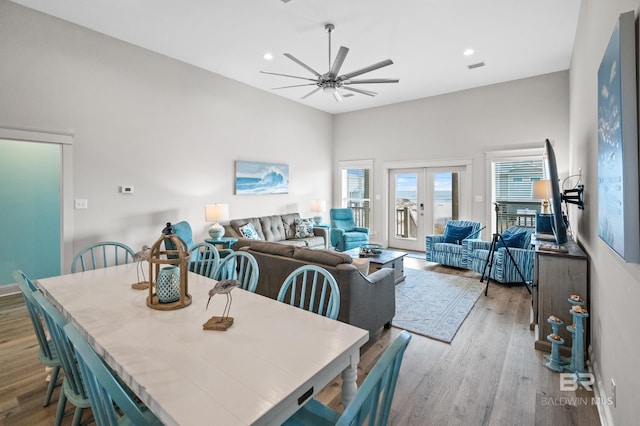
422,201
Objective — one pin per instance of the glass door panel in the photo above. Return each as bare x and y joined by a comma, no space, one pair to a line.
422,201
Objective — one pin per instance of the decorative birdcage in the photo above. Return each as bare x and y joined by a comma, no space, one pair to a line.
168,272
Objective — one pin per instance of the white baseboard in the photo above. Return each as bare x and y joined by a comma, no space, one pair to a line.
604,411
6,290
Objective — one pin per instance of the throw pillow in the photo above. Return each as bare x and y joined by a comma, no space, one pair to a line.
455,234
514,240
249,231
304,228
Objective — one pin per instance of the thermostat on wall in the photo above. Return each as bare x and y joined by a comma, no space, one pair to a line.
124,189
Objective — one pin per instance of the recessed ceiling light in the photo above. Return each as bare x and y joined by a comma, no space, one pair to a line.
268,56
468,52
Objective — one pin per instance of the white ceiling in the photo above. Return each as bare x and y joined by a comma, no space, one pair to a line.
424,38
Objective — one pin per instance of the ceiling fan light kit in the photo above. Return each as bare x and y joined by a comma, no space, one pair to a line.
331,81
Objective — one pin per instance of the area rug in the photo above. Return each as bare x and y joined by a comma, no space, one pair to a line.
434,304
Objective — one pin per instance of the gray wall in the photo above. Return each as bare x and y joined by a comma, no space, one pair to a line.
518,114
169,129
615,286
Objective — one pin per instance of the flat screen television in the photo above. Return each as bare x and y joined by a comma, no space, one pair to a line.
558,224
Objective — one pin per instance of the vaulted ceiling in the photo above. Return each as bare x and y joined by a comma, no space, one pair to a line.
425,39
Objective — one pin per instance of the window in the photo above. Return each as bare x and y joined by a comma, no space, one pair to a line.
356,191
512,182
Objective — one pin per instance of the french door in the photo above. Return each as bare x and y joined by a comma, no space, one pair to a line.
422,201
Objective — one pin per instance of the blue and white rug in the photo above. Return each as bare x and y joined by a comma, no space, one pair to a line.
434,304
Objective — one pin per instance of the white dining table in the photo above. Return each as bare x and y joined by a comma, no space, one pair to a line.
273,358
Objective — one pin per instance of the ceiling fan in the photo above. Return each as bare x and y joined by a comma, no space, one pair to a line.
330,81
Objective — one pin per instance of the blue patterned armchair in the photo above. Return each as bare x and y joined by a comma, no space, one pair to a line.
345,235
503,269
451,253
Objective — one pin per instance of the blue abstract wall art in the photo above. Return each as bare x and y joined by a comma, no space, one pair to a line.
618,217
254,178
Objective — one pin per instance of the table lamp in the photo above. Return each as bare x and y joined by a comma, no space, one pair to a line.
542,191
318,206
215,213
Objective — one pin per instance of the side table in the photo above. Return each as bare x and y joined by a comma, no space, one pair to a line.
225,242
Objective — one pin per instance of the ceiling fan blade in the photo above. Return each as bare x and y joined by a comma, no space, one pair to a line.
295,85
372,80
375,66
364,92
310,93
302,64
287,75
337,64
337,96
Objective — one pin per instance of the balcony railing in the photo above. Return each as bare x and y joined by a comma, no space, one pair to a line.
517,214
360,215
406,222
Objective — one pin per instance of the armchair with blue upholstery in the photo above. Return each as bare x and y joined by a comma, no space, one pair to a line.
345,235
503,270
447,248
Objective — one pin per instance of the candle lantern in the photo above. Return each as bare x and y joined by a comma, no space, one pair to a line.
168,272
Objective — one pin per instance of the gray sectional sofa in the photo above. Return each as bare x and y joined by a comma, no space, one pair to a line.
276,228
368,302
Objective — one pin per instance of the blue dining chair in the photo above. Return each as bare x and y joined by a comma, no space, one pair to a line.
111,404
241,266
101,255
372,402
313,288
72,386
204,259
47,354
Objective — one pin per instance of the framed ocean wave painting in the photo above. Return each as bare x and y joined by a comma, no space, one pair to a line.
254,178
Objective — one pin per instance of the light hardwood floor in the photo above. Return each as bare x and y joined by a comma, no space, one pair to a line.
489,375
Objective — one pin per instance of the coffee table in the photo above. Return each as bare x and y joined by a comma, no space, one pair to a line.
386,259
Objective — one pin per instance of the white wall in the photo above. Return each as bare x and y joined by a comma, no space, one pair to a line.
615,286
462,125
169,129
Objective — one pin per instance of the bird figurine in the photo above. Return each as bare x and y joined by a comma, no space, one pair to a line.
139,257
223,287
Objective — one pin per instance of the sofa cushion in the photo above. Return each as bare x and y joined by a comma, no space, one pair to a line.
293,243
324,257
289,224
304,228
510,239
249,231
356,237
313,242
455,234
235,224
272,248
272,228
449,248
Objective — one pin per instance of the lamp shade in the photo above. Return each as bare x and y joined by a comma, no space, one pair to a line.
541,189
216,212
318,206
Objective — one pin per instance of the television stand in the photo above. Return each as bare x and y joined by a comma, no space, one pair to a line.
556,276
553,247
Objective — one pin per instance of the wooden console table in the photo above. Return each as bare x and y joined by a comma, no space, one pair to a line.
556,276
